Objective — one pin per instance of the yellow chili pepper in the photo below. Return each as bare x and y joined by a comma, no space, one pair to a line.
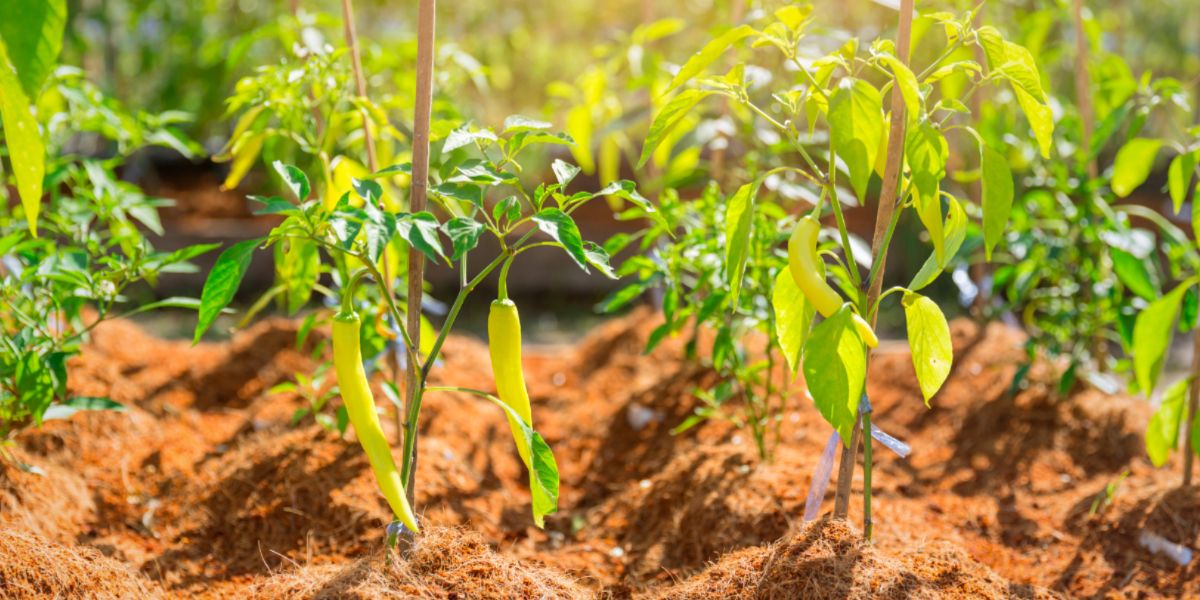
808,273
504,345
360,406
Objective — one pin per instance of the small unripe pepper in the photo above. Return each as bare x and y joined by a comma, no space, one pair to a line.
360,406
808,273
504,346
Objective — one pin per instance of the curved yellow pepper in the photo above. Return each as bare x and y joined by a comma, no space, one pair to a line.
808,273
504,346
360,406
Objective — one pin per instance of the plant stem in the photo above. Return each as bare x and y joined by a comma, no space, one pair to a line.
883,217
868,523
1189,416
426,21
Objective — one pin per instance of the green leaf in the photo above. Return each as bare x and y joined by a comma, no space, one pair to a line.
421,231
1179,178
1133,272
81,403
296,180
708,54
1152,336
25,148
464,235
543,469
297,267
856,130
560,226
564,172
518,123
32,30
929,339
1162,432
463,136
1040,117
956,234
997,188
793,318
927,153
668,118
906,82
835,369
222,283
739,216
1133,164
598,257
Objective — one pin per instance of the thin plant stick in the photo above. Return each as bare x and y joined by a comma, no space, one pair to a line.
426,21
883,216
1083,86
1190,416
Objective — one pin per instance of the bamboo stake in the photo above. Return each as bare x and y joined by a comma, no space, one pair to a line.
426,21
883,216
1083,87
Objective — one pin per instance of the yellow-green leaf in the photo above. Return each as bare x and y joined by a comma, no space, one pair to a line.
1133,164
25,148
929,339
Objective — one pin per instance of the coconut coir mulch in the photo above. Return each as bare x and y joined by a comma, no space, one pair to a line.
203,488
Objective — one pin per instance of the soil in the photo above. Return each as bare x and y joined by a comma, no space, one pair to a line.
204,488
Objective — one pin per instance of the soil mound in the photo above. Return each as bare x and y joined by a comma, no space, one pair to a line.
35,567
828,559
446,563
49,501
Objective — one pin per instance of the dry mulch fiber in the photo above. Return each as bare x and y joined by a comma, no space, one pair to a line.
204,488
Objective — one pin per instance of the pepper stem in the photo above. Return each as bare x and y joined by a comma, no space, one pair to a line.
348,292
504,277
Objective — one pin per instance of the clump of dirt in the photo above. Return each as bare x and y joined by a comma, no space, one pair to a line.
35,567
445,563
829,559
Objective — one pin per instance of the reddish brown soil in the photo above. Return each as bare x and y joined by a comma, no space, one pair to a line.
202,488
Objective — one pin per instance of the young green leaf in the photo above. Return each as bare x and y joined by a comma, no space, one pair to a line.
598,257
564,172
708,54
560,226
1133,164
1133,272
1179,178
929,339
855,129
222,283
297,267
464,235
295,179
1152,335
25,148
835,369
668,118
997,188
1162,432
739,216
906,81
927,153
956,234
421,231
793,318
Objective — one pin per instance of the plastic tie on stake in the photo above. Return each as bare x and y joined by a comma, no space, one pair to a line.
820,481
1157,543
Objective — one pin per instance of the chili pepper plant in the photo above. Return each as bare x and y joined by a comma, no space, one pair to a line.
76,246
832,136
477,193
